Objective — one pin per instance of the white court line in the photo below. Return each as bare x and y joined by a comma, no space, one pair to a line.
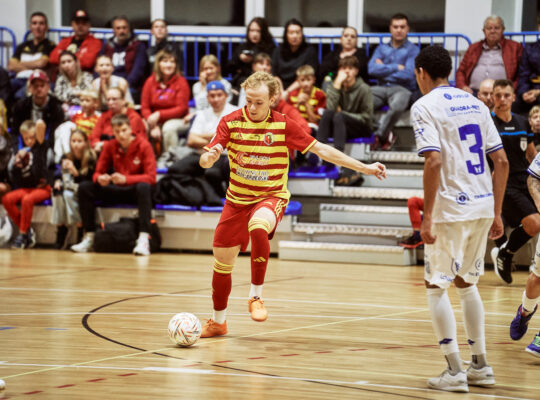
258,376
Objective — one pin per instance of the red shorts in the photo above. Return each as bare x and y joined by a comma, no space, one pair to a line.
232,228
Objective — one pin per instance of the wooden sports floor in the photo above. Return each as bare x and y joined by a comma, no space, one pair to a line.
94,326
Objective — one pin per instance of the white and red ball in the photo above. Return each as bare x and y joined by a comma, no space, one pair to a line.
184,329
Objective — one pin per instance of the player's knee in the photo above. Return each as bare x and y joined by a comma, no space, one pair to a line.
259,223
460,283
222,268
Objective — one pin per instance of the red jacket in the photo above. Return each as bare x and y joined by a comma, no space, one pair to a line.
137,164
171,100
511,53
87,53
293,113
104,128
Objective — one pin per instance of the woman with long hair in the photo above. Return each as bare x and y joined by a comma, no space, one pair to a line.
292,54
71,80
209,70
164,102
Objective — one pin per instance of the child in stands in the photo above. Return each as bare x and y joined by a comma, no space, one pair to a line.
75,167
106,80
29,175
308,98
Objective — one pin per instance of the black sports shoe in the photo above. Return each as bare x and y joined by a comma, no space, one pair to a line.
502,263
412,242
61,236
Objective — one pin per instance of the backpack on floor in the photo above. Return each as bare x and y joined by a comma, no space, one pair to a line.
121,236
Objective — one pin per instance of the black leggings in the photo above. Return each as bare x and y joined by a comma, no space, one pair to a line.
341,127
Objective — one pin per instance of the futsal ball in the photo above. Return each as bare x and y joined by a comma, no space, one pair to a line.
184,329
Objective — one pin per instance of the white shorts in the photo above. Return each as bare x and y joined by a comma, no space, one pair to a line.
535,267
459,250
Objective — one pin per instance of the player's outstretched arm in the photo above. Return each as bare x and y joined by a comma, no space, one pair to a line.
334,156
208,159
500,176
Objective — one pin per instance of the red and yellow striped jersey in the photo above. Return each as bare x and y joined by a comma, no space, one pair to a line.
259,154
317,99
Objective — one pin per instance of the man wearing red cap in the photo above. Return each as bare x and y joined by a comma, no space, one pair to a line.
84,45
41,105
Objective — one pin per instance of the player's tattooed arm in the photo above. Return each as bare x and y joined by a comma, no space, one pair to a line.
534,190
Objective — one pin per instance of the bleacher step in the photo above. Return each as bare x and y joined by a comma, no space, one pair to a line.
396,156
376,193
346,253
397,178
346,233
364,215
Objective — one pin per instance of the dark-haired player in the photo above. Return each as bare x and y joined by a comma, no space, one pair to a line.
518,210
462,205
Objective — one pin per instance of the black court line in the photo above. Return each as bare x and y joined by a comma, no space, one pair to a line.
86,325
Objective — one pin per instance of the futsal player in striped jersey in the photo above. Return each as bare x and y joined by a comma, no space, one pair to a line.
257,140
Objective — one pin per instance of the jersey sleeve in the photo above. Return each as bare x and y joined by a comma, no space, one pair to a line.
425,133
222,136
534,168
493,139
296,138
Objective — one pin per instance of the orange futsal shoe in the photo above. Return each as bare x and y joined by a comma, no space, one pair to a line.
257,310
212,328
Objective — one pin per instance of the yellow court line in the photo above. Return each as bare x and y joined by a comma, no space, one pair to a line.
223,340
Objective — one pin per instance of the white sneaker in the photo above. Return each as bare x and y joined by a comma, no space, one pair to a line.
2,384
142,248
450,383
480,377
85,245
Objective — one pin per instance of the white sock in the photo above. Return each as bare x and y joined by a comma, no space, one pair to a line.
145,235
473,318
528,304
255,290
90,235
219,316
444,322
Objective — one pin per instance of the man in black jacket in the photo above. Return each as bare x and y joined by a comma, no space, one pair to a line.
41,105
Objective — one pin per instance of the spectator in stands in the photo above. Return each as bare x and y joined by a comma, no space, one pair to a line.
349,112
39,106
29,176
292,54
125,173
416,207
128,55
261,62
161,41
202,131
84,120
5,151
258,40
493,57
308,98
75,167
71,81
103,131
164,102
485,93
393,65
519,210
348,47
209,70
534,122
84,45
6,94
528,85
30,55
106,79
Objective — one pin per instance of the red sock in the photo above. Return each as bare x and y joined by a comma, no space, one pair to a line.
260,252
221,285
416,206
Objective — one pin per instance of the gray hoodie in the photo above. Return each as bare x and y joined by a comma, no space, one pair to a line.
356,102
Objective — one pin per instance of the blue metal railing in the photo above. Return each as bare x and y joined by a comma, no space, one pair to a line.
195,45
523,37
8,42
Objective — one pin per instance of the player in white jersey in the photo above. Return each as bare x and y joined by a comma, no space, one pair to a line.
531,295
462,204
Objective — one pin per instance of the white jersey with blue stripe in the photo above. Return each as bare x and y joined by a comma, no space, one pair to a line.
459,126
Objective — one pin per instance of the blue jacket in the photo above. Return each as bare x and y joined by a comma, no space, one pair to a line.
388,73
529,68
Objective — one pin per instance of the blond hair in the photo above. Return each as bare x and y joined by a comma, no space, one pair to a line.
534,110
259,78
89,93
212,59
305,70
27,126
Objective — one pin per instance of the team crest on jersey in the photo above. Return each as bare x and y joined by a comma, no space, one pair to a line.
268,138
523,143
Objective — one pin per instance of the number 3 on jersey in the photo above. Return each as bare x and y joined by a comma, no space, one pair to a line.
475,149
